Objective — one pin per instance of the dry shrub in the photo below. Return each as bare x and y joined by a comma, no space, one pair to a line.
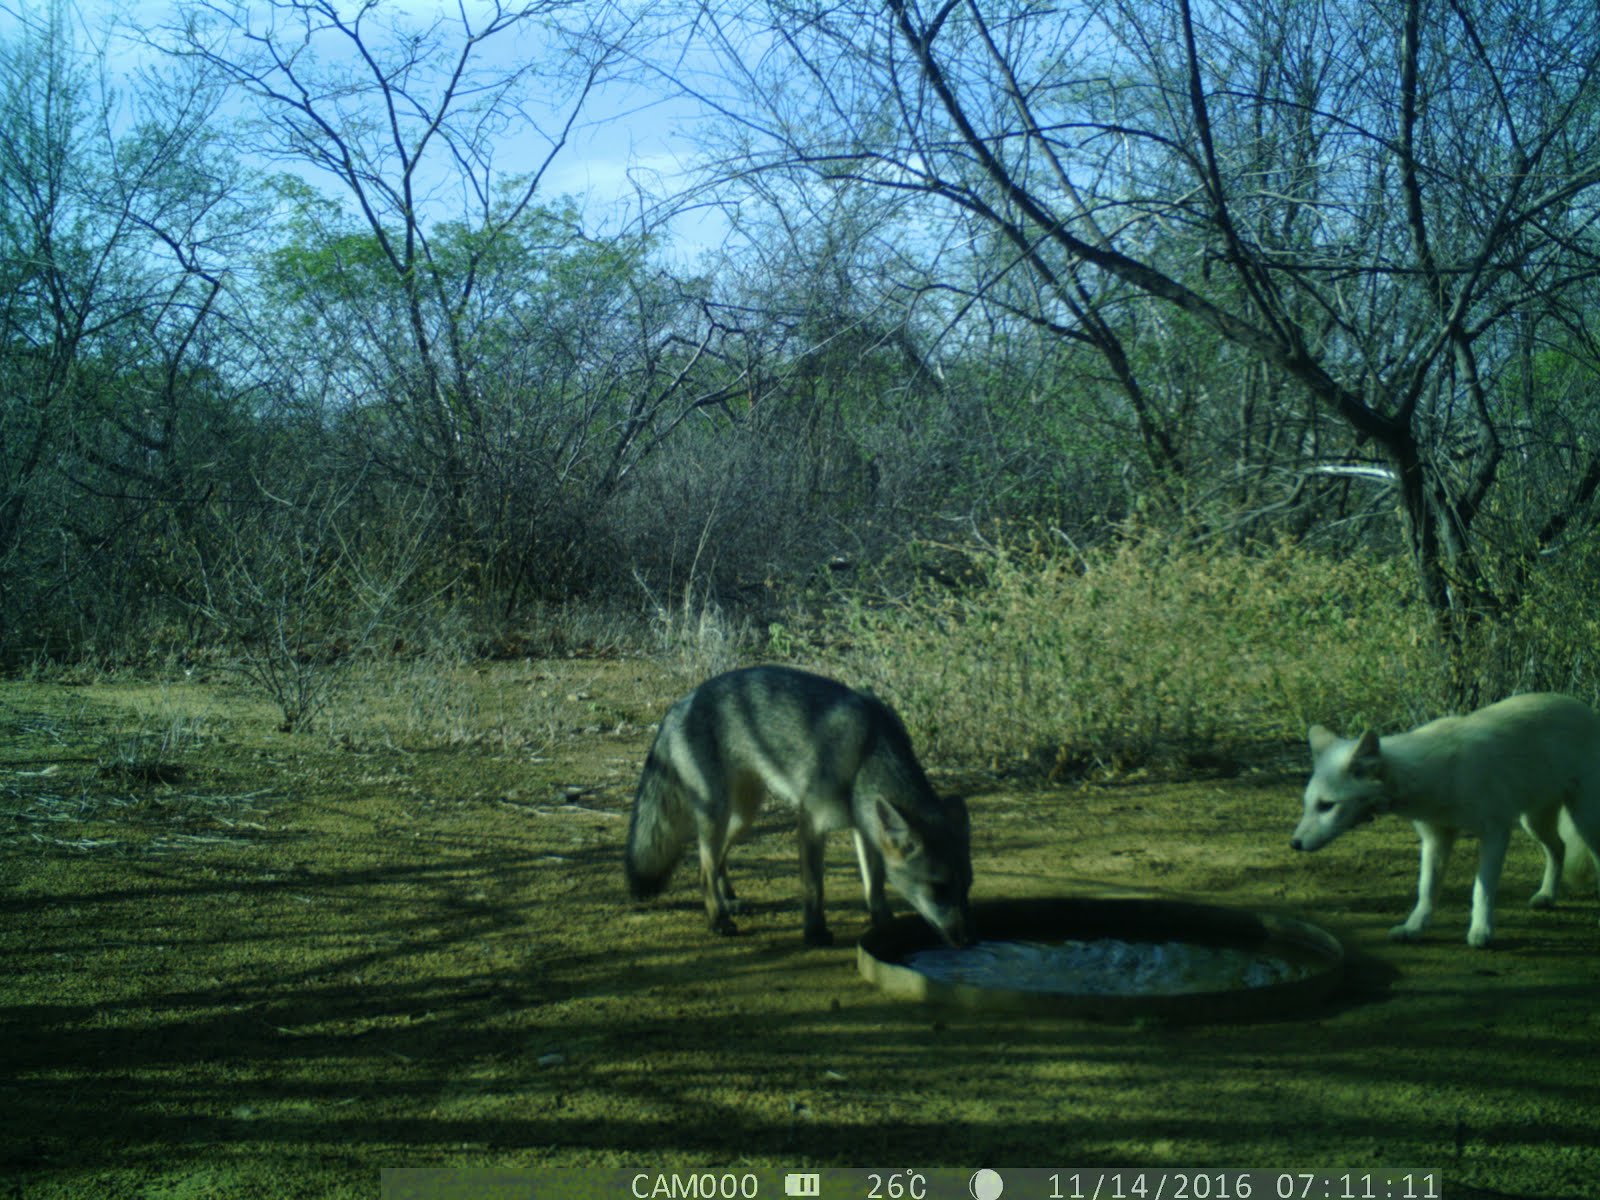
1548,637
1147,650
443,702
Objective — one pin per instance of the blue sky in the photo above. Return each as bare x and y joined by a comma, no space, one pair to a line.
626,133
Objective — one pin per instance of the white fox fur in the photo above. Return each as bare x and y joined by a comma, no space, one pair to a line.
1533,757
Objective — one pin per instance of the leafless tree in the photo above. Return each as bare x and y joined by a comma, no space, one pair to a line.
117,211
1382,206
519,393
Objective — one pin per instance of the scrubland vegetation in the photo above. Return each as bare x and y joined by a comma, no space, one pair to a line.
1116,389
1152,649
1183,447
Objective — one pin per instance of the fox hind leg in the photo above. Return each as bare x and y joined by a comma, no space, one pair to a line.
1545,826
718,892
812,843
1491,858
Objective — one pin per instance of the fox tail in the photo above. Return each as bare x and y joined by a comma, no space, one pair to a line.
658,831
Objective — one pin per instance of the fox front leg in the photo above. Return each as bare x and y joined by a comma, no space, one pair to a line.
872,879
1437,843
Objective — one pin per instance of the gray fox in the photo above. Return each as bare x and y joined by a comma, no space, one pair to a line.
841,758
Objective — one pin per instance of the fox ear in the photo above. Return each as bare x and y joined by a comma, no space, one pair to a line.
894,834
1320,737
1366,759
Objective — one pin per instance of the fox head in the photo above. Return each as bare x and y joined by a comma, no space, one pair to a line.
1347,787
929,862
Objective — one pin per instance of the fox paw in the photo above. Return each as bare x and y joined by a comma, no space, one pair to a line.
1479,938
1542,900
819,936
1404,933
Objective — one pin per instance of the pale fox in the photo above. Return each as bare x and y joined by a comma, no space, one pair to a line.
1535,757
841,758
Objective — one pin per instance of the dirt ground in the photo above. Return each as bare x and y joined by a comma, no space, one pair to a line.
245,963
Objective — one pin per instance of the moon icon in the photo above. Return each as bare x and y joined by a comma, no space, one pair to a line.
986,1185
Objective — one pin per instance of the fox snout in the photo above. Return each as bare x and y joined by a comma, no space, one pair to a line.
957,930
1311,836
959,938
1315,840
951,920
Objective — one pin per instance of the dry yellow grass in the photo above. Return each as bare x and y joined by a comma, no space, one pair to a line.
1149,651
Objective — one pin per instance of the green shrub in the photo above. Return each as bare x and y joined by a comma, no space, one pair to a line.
1148,649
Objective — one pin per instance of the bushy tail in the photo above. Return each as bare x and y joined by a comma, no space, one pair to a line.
1580,861
658,831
